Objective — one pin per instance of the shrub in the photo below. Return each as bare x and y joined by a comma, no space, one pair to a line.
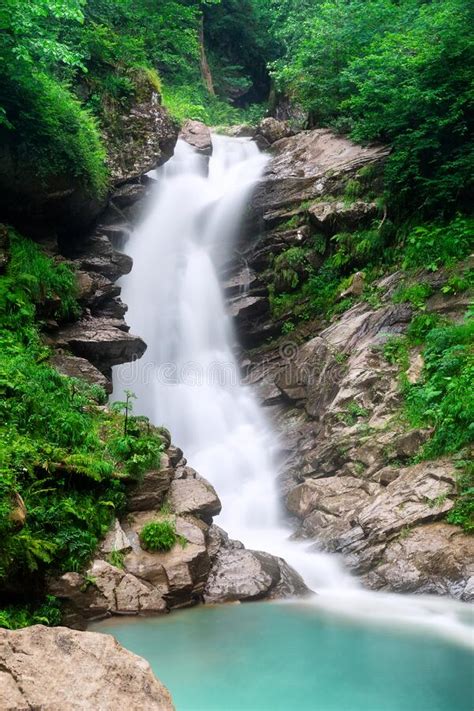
462,513
52,130
432,246
158,536
444,397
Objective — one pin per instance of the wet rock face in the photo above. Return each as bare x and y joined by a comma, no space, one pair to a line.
240,574
136,142
58,668
347,471
102,341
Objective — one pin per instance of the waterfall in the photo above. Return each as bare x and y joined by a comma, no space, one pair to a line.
188,379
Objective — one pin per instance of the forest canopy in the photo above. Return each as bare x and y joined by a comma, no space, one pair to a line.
399,72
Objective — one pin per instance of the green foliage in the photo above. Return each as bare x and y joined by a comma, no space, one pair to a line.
116,558
462,513
352,413
444,398
65,457
159,536
48,613
415,294
398,72
420,325
433,246
194,102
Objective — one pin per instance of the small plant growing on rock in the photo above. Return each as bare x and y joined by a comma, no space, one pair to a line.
160,536
115,558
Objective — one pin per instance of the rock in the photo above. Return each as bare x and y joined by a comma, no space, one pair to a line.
198,135
311,373
327,506
75,367
309,164
194,496
436,559
250,575
178,574
122,591
58,204
150,493
101,341
356,287
18,512
407,444
241,130
99,256
415,368
271,130
116,540
338,216
420,494
58,668
141,140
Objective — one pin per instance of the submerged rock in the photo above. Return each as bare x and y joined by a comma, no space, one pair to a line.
58,668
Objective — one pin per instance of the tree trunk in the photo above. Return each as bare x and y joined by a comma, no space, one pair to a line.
205,68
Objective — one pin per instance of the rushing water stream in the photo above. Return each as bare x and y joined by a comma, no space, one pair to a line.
188,380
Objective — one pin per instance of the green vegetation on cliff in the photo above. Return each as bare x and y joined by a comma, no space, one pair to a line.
64,458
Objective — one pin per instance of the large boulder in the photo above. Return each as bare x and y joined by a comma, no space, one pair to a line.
75,367
194,496
339,216
240,574
436,559
421,493
150,493
179,574
141,139
271,130
198,135
57,668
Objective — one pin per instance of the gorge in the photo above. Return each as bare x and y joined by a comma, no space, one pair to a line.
189,380
236,372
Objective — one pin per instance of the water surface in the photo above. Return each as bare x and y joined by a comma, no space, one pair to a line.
291,657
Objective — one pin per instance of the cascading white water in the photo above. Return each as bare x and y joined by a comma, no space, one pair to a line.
188,379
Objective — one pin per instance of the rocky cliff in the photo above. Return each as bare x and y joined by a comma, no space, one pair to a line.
137,140
349,473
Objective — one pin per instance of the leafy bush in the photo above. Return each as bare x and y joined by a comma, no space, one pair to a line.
462,513
48,613
432,246
51,131
415,294
444,398
158,536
